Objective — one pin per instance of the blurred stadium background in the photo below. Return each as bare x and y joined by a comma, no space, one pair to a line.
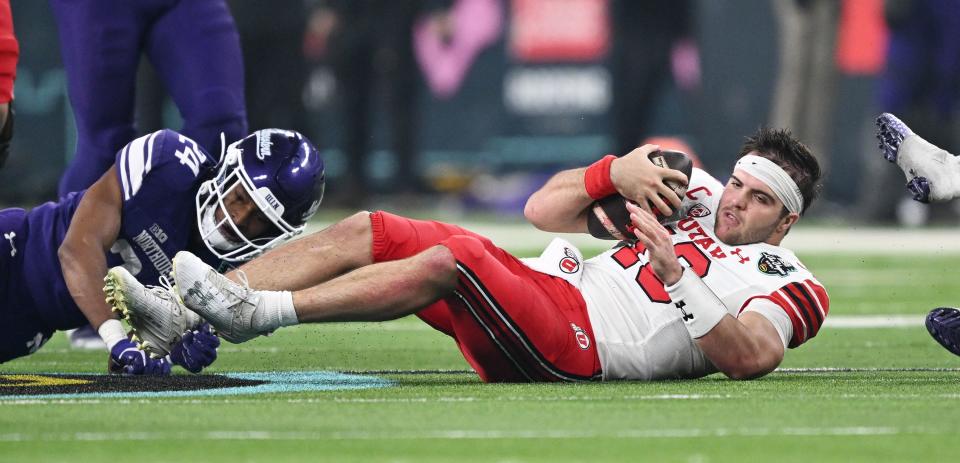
506,91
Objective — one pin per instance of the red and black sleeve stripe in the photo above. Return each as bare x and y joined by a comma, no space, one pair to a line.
807,305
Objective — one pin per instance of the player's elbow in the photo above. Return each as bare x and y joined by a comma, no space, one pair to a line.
533,211
743,374
68,253
72,253
746,367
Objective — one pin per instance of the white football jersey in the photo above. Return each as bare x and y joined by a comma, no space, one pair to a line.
640,334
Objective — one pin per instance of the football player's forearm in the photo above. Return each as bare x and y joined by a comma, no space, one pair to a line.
735,351
561,204
83,271
93,229
741,349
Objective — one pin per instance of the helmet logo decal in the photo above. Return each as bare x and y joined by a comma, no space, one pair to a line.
264,143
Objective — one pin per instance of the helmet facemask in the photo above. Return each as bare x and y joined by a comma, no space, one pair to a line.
223,237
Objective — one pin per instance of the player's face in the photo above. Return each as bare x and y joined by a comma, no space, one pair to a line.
244,212
749,211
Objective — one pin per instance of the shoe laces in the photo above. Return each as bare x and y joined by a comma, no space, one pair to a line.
243,278
239,290
165,283
163,289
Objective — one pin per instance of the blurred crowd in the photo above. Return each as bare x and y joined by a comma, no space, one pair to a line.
465,103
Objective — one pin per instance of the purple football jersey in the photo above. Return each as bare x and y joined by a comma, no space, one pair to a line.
159,175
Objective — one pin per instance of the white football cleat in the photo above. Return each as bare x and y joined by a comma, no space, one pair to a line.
157,317
231,308
933,174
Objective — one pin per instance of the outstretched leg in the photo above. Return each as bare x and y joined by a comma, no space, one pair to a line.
306,263
240,313
933,174
313,259
160,319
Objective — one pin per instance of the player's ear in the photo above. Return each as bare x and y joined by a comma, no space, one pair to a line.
787,221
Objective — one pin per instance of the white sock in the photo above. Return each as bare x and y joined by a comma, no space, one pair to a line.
275,310
112,332
288,313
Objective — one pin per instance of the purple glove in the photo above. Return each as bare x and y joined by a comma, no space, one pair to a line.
127,358
197,350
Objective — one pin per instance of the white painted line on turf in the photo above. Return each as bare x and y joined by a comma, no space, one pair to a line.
522,398
378,400
405,325
498,398
874,321
832,321
465,434
222,348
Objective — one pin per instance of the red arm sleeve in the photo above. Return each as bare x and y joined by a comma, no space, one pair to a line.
9,52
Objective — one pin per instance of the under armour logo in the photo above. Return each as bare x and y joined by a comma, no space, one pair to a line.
13,248
34,344
737,252
680,305
197,292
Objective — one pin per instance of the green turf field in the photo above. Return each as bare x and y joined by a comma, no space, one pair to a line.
851,394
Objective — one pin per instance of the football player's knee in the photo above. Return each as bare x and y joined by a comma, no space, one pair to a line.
110,138
207,132
352,229
440,266
359,221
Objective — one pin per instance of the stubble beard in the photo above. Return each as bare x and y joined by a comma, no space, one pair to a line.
743,236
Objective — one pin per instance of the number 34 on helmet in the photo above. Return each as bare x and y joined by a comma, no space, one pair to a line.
282,172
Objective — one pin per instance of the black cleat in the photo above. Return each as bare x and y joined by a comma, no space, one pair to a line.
943,323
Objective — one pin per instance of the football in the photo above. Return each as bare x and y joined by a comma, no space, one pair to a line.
608,217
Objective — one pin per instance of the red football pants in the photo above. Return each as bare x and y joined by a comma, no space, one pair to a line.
511,323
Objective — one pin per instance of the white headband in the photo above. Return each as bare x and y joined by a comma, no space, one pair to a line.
774,177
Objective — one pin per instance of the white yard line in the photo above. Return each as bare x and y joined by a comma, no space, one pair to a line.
874,321
832,321
467,434
333,398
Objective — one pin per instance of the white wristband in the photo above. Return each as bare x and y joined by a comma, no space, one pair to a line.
112,332
700,308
